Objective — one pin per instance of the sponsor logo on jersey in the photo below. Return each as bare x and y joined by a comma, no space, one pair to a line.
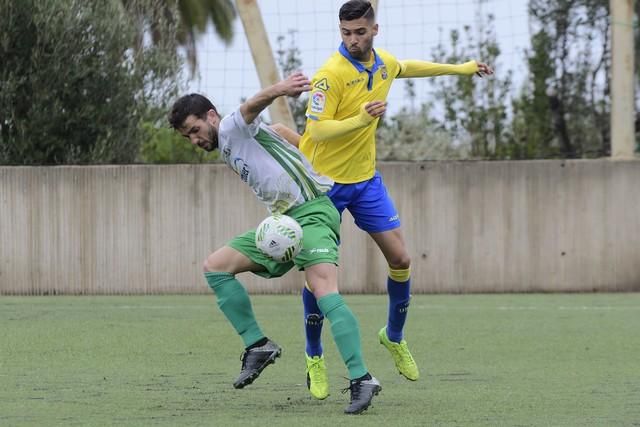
322,85
394,218
318,99
226,153
241,168
355,81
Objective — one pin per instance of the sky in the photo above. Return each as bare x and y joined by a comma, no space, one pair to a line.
409,29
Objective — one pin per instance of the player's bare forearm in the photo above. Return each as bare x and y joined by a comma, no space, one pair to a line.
293,85
253,106
290,135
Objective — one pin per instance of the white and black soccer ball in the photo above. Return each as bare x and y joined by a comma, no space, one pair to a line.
279,237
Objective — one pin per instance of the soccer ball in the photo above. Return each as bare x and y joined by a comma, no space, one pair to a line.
279,237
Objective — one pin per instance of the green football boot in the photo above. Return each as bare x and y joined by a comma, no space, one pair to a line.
401,356
317,380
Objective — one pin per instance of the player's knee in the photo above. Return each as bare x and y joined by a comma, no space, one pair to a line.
323,286
400,262
213,264
205,266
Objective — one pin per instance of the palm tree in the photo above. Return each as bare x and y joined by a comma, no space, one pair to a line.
194,15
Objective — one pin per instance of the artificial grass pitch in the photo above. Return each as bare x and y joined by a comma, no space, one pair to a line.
485,360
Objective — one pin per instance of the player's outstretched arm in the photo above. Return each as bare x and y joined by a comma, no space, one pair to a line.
290,135
293,85
416,68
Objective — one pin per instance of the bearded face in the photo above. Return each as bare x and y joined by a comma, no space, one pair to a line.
202,133
357,36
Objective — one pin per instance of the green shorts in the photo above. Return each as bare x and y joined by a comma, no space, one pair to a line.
320,222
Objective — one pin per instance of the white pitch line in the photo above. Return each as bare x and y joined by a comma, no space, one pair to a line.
161,307
525,308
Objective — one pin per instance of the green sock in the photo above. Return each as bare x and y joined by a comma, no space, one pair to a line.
346,333
234,302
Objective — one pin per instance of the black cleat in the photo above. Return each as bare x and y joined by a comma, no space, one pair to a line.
362,392
254,361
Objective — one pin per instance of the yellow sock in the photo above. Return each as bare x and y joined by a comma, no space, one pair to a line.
400,275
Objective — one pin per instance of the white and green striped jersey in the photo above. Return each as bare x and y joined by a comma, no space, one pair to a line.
279,174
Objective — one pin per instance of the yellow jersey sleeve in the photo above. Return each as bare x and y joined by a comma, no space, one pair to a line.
321,130
415,68
324,97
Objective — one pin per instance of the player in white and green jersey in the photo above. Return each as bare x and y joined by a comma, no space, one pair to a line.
279,174
283,179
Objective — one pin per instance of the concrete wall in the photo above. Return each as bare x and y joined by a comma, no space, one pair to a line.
470,227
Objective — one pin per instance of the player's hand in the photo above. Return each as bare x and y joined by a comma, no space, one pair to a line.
375,108
484,70
295,84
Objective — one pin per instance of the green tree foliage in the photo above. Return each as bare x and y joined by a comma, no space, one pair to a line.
532,132
73,90
636,32
565,111
414,134
475,109
411,135
164,145
289,61
193,19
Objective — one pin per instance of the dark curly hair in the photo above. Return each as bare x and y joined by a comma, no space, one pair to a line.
187,105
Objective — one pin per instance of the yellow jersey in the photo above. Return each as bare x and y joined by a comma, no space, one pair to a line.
339,89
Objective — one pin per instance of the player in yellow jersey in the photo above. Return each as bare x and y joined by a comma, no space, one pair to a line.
347,99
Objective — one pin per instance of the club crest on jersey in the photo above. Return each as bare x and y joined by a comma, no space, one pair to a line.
318,99
322,84
383,72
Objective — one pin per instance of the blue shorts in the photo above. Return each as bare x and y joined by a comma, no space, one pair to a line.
369,204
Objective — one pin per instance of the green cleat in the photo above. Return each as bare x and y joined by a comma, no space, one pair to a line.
317,380
401,356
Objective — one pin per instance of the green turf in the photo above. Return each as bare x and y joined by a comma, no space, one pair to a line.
486,360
